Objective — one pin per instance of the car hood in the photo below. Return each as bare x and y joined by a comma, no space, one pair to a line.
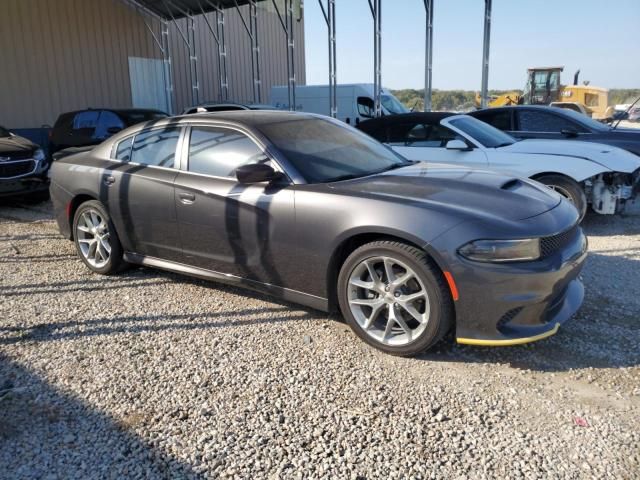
613,158
16,144
476,193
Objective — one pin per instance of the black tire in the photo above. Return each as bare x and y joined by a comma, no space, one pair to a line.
441,314
569,189
115,262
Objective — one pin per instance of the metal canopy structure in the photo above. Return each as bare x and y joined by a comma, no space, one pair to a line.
173,10
170,11
177,9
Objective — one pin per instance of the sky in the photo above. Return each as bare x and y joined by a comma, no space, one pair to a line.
599,37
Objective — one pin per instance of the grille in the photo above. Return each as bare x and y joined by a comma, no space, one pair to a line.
550,245
16,169
20,155
507,317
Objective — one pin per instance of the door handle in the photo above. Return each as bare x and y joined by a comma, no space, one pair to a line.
187,197
109,180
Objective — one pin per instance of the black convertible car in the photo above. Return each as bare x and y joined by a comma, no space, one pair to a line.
23,168
313,211
536,121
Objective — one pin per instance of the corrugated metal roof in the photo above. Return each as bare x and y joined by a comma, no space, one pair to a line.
169,9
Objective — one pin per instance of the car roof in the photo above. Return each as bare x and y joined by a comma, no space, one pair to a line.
546,108
246,118
123,111
428,117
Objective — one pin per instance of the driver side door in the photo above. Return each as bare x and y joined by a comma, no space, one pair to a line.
428,143
227,227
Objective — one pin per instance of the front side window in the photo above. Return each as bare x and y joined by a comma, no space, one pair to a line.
323,150
4,132
220,151
420,135
532,121
365,107
156,147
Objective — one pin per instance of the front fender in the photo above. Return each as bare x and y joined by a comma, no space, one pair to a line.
532,164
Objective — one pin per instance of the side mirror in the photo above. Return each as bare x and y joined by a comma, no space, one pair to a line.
113,130
569,132
256,173
457,145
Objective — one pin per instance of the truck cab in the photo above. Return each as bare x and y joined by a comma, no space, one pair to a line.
354,101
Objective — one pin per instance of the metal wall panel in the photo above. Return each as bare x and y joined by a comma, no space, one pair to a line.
71,54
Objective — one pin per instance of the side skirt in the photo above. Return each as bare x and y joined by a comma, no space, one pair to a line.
288,294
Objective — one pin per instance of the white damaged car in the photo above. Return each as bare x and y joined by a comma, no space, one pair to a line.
586,173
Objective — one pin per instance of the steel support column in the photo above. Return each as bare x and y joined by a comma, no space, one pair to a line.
189,40
163,46
218,35
288,27
330,18
222,55
376,12
428,54
484,92
252,31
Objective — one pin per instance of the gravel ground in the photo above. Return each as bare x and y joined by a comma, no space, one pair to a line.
153,375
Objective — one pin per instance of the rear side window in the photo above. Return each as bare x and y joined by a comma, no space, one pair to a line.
86,120
106,121
156,147
531,121
218,151
123,150
500,120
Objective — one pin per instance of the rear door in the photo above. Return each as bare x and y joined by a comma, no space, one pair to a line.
533,123
140,192
225,226
427,143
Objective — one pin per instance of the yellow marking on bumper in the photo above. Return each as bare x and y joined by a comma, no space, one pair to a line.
505,343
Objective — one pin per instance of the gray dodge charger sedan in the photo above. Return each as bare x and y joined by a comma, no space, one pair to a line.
313,211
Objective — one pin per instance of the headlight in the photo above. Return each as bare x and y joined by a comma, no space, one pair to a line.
38,155
502,250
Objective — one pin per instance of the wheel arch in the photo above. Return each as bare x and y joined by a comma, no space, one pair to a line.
73,206
354,240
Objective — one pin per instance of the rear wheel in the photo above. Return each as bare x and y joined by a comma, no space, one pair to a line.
96,240
394,298
569,189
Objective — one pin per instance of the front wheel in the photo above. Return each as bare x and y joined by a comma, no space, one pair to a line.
569,189
394,298
96,239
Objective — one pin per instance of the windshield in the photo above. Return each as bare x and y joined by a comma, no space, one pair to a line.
484,134
4,132
324,151
587,122
392,104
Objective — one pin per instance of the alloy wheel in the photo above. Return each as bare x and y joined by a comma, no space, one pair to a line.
563,192
92,233
388,300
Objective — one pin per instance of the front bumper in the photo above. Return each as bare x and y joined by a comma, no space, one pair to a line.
515,303
24,186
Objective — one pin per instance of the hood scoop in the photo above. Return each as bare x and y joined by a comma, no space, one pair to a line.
511,184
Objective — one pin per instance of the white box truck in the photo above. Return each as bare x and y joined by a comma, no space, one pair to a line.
355,101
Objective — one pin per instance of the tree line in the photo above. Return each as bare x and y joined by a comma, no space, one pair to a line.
464,100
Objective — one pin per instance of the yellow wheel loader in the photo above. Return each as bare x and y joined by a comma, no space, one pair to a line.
543,88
